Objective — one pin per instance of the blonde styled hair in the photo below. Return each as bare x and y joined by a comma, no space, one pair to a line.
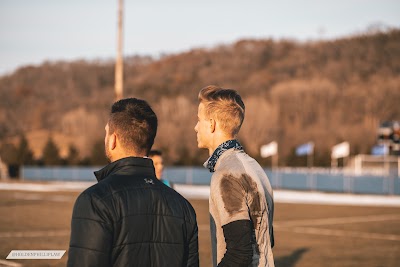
225,106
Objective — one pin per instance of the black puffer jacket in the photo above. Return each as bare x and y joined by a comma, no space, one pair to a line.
129,218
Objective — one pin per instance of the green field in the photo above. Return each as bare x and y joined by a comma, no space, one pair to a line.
305,235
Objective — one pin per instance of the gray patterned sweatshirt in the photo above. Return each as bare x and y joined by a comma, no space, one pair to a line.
240,192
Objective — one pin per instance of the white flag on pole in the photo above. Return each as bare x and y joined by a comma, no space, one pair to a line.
269,149
341,150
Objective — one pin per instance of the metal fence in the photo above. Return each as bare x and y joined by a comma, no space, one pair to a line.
325,180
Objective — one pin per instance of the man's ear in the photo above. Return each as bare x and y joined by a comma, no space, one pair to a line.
112,141
212,125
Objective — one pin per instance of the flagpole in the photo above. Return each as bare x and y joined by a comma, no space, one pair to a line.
274,160
119,64
349,189
334,163
310,157
271,150
310,161
274,166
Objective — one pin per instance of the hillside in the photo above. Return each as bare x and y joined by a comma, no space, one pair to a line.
327,92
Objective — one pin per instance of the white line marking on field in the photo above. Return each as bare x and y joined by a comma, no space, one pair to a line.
57,198
34,234
340,220
203,192
341,233
297,197
46,187
9,263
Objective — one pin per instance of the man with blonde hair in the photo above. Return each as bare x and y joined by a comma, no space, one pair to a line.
241,199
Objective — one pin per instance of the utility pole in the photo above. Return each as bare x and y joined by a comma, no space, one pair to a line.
119,64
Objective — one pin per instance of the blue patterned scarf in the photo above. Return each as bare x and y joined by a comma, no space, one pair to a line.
210,163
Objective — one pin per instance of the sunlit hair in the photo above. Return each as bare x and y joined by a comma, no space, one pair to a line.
135,123
225,106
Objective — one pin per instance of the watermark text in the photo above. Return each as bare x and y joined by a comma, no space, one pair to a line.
35,254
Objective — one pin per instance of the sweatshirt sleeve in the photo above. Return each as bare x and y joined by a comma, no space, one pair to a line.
91,233
229,199
239,249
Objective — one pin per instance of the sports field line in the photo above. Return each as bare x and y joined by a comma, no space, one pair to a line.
45,187
40,197
35,234
342,233
201,227
203,192
338,220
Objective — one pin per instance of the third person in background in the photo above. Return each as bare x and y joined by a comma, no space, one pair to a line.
158,162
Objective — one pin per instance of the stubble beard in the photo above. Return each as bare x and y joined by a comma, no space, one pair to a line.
107,152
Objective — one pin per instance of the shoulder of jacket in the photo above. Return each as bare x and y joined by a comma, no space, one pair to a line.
230,162
99,191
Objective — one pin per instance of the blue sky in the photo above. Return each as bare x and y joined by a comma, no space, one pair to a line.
32,31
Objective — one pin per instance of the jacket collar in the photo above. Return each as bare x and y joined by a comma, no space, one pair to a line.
212,161
113,167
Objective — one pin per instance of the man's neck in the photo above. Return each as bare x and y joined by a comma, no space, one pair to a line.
122,155
218,141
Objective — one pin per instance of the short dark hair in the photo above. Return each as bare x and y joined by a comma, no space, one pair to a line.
135,124
155,152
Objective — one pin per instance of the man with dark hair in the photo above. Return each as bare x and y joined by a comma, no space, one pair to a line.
241,199
130,218
156,157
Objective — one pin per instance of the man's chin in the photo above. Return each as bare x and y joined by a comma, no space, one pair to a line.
201,146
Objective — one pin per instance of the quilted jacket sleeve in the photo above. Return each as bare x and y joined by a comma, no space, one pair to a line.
193,258
91,233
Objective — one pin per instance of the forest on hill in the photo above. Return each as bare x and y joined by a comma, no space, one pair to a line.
321,91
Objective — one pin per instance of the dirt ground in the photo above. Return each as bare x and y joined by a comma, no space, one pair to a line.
305,235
